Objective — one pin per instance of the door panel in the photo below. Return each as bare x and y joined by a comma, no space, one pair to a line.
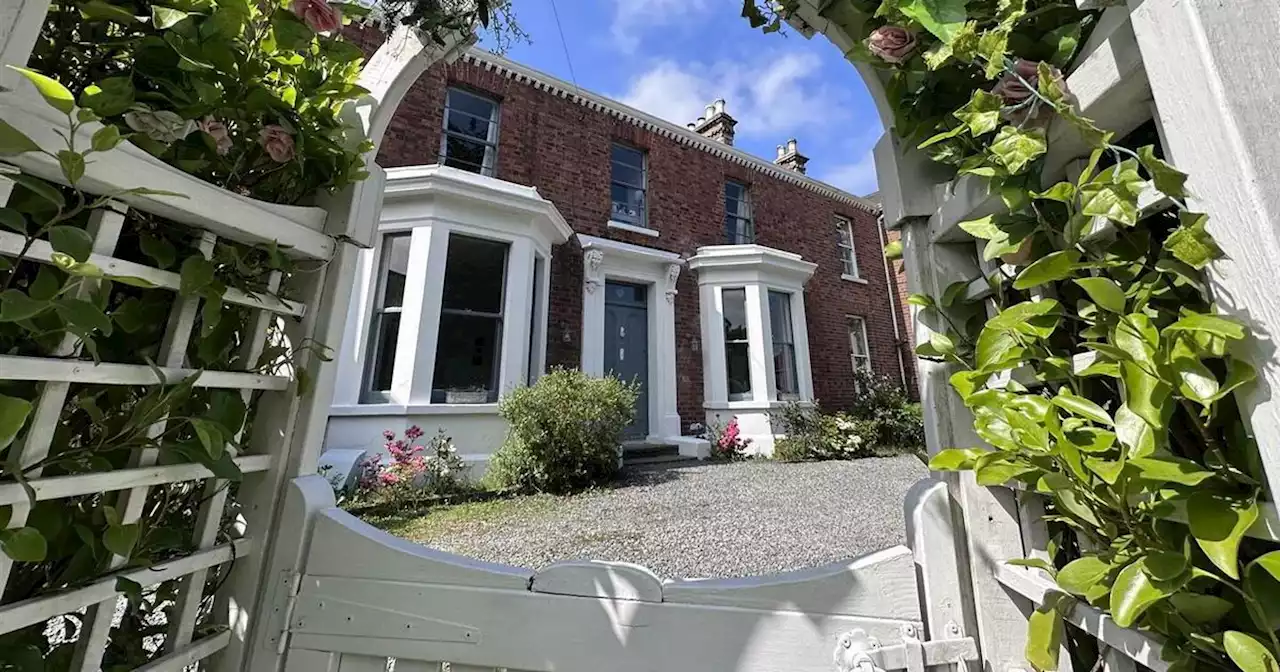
626,346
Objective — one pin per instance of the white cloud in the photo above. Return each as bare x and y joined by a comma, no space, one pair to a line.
769,95
633,17
857,178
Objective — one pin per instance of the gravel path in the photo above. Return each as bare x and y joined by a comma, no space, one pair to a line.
705,520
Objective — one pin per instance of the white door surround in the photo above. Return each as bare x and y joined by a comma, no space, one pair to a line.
657,270
757,270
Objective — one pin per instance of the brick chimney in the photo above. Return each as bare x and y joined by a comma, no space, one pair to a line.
715,123
790,158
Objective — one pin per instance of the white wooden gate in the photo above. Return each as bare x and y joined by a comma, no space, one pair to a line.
359,598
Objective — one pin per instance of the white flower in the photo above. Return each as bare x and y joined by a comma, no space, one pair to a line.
159,125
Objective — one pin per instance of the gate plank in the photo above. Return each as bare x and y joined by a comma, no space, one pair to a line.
594,578
355,663
405,665
311,661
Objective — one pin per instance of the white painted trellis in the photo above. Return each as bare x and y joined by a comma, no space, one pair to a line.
311,588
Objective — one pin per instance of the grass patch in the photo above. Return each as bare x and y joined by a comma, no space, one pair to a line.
432,523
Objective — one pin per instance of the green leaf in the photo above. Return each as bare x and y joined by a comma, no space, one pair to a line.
893,250
197,273
55,94
1195,380
1137,336
14,142
955,459
13,416
1069,501
1081,407
1249,654
166,17
1114,193
1104,292
1134,433
1190,243
83,315
1218,523
997,350
1132,594
944,135
943,18
72,165
1200,608
1169,469
106,138
1063,40
1107,470
982,113
1062,192
922,300
1079,575
1262,583
1238,373
1213,324
110,97
1015,148
72,241
984,228
121,539
13,220
24,544
38,187
290,33
1050,268
210,436
1037,318
1166,565
999,472
1034,563
1166,178
16,306
100,10
159,249
1044,637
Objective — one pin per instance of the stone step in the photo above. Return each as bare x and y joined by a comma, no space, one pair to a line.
664,460
638,449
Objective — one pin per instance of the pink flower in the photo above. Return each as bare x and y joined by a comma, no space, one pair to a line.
218,131
277,142
1010,87
893,44
318,14
388,435
1015,93
413,432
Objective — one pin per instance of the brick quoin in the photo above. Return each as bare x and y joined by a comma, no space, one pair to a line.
563,149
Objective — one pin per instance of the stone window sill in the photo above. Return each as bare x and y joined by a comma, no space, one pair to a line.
413,409
623,226
853,278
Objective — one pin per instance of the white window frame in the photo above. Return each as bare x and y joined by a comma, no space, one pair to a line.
490,160
789,302
858,331
748,218
848,251
745,340
494,386
376,322
643,220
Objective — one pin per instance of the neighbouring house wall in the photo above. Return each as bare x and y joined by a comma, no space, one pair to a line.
906,326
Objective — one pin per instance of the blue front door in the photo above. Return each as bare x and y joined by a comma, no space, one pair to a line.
626,345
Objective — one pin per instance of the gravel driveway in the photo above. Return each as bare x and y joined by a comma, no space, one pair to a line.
704,520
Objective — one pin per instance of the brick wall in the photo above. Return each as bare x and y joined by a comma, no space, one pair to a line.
905,324
563,149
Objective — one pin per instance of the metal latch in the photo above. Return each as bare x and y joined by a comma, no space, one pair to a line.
858,652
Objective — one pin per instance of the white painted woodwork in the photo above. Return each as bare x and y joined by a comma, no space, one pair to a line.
657,270
933,537
14,367
312,661
180,660
612,580
60,487
356,663
1034,586
202,205
20,22
880,584
11,244
1202,59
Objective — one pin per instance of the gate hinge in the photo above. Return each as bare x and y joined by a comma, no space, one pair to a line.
292,582
858,652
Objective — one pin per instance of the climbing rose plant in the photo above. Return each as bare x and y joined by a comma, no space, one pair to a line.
1105,379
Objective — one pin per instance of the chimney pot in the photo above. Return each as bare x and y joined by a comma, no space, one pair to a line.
781,151
791,146
719,105
789,157
715,123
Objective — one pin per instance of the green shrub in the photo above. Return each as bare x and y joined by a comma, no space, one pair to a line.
564,433
881,422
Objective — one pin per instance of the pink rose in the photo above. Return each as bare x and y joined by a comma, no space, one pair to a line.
277,142
318,14
218,131
1012,90
894,44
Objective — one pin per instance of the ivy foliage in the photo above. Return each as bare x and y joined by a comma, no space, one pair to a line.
1104,378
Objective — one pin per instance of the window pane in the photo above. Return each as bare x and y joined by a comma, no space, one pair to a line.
842,229
737,363
628,203
468,125
627,175
734,190
466,368
395,259
464,154
473,275
735,314
857,337
784,368
850,268
628,156
739,231
780,317
470,103
384,356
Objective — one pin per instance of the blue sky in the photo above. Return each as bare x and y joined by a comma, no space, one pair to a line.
672,57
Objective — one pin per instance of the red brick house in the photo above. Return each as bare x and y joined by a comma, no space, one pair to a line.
639,236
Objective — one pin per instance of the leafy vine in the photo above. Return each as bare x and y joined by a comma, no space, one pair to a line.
1104,379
